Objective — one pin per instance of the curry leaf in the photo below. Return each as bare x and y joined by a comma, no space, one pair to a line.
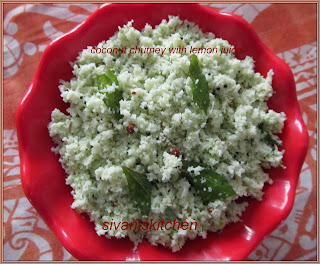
200,90
170,215
268,136
103,81
140,189
194,68
112,99
269,139
209,185
112,77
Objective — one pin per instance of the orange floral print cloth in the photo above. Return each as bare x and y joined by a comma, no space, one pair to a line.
288,29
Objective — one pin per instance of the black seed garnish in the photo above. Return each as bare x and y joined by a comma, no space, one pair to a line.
225,86
188,26
146,107
209,73
114,59
148,133
218,88
181,38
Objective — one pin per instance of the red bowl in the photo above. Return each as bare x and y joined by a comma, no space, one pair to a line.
43,178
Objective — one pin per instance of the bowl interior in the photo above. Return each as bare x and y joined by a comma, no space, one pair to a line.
43,178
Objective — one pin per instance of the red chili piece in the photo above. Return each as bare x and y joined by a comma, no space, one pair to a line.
175,151
133,92
130,128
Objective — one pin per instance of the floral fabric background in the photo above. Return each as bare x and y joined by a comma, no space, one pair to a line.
287,29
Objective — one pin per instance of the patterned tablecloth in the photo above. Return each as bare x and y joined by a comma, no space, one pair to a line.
288,29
